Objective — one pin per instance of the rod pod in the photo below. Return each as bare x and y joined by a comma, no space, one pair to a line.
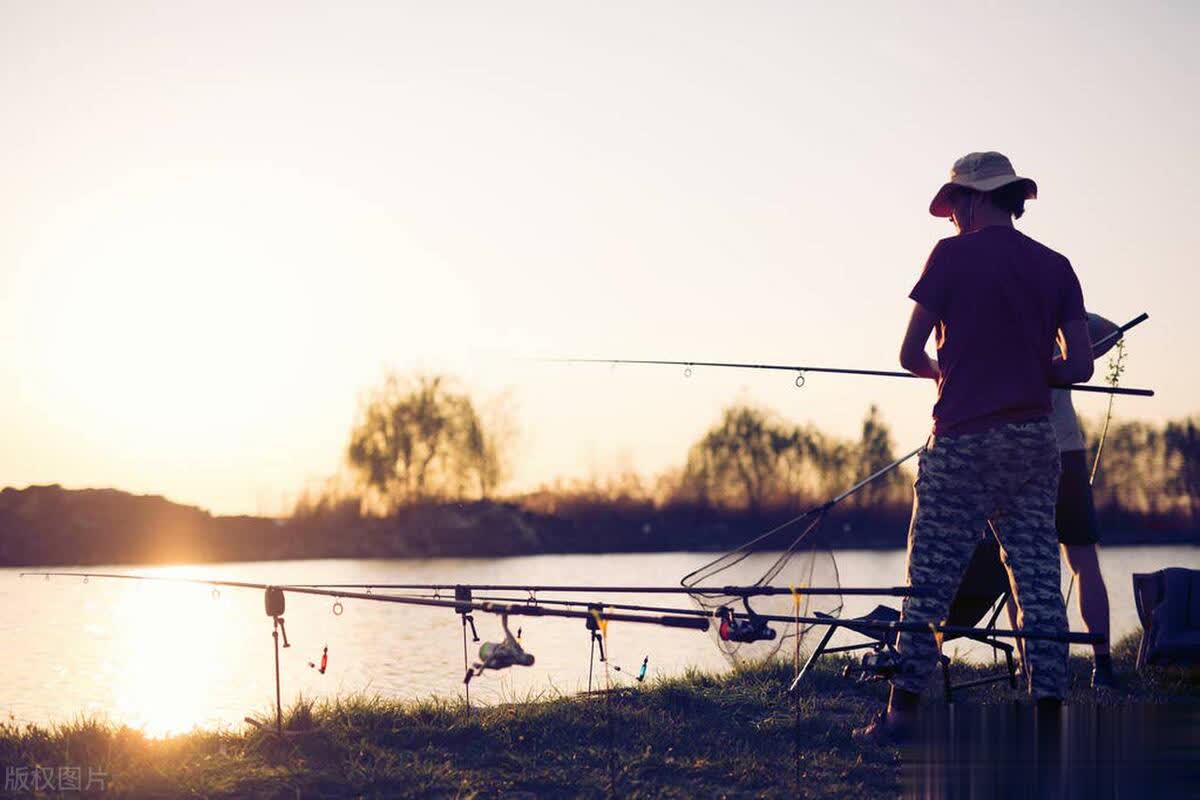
274,604
593,625
462,606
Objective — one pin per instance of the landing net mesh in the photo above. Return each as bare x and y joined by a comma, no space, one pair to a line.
779,558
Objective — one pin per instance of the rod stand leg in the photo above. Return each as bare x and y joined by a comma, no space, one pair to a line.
278,700
463,604
812,659
591,662
466,665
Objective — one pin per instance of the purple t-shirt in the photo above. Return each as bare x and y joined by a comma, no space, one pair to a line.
1000,298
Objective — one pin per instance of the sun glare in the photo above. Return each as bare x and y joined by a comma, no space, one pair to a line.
176,328
177,656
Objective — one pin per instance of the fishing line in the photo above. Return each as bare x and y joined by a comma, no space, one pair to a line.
744,550
741,636
1115,368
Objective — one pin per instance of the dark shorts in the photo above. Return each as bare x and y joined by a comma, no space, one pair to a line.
1075,514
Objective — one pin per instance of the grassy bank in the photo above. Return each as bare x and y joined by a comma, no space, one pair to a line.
692,736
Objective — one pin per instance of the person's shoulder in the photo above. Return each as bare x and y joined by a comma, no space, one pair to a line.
948,242
947,248
1044,252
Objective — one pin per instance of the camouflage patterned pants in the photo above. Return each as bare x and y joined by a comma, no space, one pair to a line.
1008,474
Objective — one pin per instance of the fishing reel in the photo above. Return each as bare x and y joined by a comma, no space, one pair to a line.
744,630
500,655
878,665
881,664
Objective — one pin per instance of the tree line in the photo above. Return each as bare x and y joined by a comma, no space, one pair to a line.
425,474
423,439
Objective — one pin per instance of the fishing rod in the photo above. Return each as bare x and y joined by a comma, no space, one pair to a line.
1120,331
500,655
696,612
492,655
950,630
800,381
533,590
677,618
522,609
878,373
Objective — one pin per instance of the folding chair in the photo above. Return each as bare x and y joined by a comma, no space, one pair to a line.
1168,605
982,594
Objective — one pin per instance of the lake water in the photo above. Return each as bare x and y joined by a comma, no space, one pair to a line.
167,657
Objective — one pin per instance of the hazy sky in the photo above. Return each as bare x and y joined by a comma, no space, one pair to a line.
221,222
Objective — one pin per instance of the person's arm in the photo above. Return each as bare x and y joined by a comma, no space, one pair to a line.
1075,345
1076,365
912,351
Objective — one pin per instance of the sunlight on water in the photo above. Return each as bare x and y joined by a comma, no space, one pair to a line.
174,633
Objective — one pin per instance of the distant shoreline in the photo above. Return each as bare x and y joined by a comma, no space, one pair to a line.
836,550
52,526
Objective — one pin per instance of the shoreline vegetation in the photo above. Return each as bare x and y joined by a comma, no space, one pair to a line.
425,467
695,735
53,526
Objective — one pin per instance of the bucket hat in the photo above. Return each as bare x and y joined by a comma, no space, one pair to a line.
982,172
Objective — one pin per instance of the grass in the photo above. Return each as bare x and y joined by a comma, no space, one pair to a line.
696,735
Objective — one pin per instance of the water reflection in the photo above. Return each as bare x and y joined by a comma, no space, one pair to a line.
172,638
166,657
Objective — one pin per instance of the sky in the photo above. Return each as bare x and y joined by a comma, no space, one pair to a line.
222,223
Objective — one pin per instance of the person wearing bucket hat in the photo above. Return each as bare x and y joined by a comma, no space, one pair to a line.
980,173
999,302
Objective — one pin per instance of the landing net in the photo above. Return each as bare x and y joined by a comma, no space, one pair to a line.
780,558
